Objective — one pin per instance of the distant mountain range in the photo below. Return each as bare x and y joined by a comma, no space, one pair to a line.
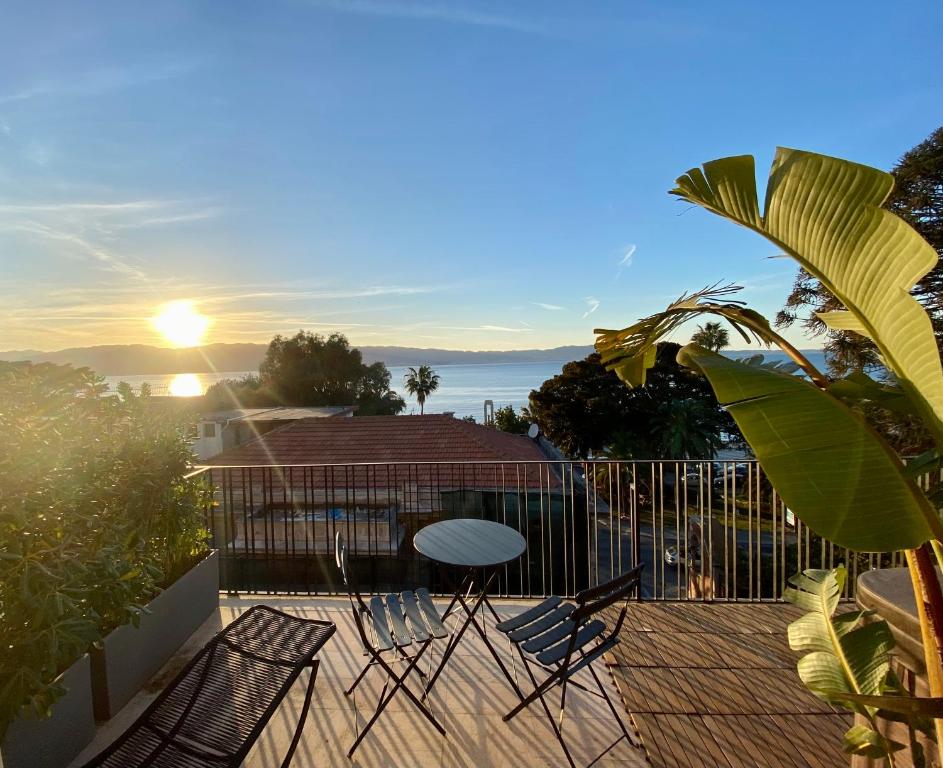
141,359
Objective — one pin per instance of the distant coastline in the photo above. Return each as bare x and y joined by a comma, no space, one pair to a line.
143,359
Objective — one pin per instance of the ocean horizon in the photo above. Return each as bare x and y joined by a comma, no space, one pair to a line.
463,388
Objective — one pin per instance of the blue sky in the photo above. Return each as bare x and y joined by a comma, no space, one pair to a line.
462,175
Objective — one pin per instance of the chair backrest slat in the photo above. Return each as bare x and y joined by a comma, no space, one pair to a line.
595,599
630,578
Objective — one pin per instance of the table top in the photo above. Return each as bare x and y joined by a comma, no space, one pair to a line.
470,543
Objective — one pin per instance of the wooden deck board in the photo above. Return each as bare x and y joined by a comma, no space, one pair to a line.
715,685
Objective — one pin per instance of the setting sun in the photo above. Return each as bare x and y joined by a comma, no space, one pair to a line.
180,324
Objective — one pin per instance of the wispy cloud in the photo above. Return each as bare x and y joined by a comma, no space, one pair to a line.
430,11
549,307
493,328
325,294
626,259
75,244
504,329
91,229
180,218
101,80
592,304
86,207
50,315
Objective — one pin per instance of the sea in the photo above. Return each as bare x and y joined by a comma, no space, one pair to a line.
463,389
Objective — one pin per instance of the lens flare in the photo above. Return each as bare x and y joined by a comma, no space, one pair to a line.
181,324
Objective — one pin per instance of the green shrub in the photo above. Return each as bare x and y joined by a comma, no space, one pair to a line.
96,515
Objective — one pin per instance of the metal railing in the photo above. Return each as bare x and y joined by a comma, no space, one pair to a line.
705,530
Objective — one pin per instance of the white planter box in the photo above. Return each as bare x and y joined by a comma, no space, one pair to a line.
55,741
130,656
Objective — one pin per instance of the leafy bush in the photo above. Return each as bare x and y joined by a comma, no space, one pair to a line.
96,515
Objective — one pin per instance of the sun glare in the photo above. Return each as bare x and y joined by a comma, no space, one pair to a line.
186,385
180,324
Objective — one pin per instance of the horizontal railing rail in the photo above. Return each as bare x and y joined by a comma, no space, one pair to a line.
705,530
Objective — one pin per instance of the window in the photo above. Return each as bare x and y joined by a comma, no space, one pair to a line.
209,429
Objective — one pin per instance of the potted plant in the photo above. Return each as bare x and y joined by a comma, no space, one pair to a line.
811,433
165,508
131,653
95,515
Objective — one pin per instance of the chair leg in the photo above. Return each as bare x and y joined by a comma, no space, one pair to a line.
405,657
385,698
537,693
303,716
360,677
562,701
612,706
543,702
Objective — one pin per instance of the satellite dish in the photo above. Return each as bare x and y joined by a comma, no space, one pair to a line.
532,431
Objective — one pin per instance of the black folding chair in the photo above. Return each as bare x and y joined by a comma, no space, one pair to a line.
561,639
395,623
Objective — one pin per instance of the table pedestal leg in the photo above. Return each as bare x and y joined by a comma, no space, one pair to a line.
482,598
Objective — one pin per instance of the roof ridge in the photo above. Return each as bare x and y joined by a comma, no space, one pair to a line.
472,429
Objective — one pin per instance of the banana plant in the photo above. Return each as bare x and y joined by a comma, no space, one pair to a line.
827,464
847,661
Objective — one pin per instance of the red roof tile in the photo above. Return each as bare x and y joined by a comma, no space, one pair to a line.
369,439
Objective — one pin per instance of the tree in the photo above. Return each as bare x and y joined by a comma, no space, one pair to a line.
917,198
507,420
310,370
685,429
374,395
421,383
712,336
586,410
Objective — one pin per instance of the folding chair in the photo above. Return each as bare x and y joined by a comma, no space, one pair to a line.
395,622
561,639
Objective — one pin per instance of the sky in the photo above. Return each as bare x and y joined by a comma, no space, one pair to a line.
409,172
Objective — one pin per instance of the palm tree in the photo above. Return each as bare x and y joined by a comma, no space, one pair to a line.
685,429
712,336
421,383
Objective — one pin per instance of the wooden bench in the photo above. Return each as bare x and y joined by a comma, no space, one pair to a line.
215,709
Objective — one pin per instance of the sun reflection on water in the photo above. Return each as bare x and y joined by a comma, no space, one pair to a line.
186,385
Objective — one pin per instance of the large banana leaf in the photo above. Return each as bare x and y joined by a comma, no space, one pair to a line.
847,660
825,462
843,655
825,213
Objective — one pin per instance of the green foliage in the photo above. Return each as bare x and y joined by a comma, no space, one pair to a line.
826,214
507,420
854,476
95,516
917,198
585,409
827,463
712,336
420,383
847,659
310,370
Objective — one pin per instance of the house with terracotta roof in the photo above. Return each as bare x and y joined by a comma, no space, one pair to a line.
379,479
219,431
